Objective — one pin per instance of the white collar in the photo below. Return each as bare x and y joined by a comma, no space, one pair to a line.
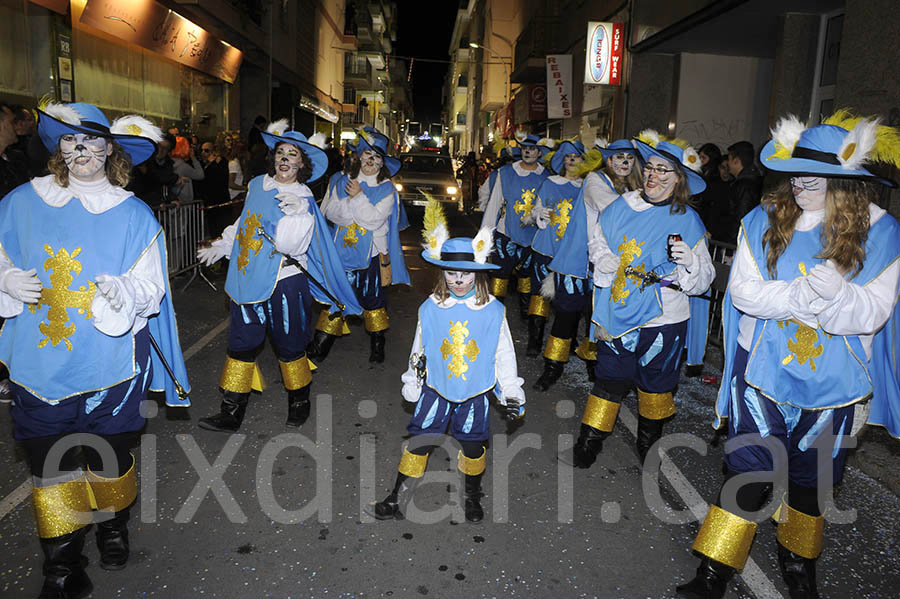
517,166
96,197
560,180
370,180
296,188
452,301
636,200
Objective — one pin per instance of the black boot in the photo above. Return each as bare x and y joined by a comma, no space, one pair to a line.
535,335
524,301
591,365
648,433
799,574
298,406
64,575
231,414
552,371
112,541
711,581
320,346
389,508
377,347
589,444
693,370
473,496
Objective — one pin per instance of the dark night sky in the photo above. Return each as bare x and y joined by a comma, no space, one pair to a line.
424,28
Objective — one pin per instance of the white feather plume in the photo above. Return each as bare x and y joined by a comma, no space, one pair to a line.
278,127
546,141
786,134
691,159
482,245
64,113
858,143
649,137
521,136
318,140
600,143
434,241
133,124
548,287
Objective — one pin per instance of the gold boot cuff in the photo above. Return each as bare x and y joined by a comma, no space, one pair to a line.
332,326
412,465
237,376
725,537
114,493
557,349
295,374
376,320
63,508
471,466
800,533
499,287
524,285
587,350
538,306
600,413
655,406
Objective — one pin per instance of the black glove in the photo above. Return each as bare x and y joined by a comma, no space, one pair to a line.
513,410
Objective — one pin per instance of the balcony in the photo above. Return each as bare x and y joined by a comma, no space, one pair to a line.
357,71
539,38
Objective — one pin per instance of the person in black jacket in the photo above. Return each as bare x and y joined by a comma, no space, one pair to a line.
746,188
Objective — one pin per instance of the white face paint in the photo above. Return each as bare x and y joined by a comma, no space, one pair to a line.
809,192
85,155
371,162
622,163
530,154
288,161
571,162
659,185
460,282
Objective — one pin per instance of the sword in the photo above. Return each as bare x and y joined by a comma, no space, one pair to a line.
293,262
651,278
178,388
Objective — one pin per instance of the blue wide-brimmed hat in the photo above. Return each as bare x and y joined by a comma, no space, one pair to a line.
838,148
620,146
377,142
464,253
514,152
527,140
650,143
563,149
277,132
373,131
134,133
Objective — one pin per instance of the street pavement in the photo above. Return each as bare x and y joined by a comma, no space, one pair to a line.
275,512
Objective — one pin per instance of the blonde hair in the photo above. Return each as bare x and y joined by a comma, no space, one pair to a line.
681,194
622,184
844,231
118,167
482,289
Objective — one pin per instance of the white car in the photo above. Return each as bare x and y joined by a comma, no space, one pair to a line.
427,172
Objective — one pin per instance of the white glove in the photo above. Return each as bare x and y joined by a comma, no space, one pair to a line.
118,291
210,255
21,285
825,280
682,254
291,203
608,264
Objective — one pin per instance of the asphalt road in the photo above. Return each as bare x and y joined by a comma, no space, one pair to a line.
276,513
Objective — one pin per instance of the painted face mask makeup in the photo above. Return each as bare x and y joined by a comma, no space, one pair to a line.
84,155
572,161
371,162
622,163
530,154
809,192
288,162
460,282
659,179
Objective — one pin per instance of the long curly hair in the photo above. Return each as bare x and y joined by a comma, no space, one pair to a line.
303,173
118,167
681,194
844,231
622,184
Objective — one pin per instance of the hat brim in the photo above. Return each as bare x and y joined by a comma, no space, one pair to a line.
459,264
558,160
695,181
607,153
807,166
393,165
50,129
315,154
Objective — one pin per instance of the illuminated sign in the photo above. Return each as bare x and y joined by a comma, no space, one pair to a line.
603,63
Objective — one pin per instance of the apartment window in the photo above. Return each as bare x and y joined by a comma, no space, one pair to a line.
460,118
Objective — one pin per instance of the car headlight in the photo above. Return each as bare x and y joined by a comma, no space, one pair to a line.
399,186
452,190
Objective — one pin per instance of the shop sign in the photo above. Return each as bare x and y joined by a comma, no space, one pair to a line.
531,103
603,61
151,25
559,86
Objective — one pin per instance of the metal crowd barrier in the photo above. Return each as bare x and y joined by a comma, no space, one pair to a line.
184,229
722,254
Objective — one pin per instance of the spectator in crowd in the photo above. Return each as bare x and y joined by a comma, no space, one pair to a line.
155,179
213,188
468,175
188,169
13,164
335,159
255,136
714,202
709,156
746,188
237,182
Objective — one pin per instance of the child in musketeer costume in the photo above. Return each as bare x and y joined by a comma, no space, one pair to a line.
368,217
84,289
552,214
813,292
270,285
643,278
462,355
509,210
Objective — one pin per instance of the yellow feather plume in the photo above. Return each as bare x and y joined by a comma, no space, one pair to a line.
434,215
887,139
499,145
593,160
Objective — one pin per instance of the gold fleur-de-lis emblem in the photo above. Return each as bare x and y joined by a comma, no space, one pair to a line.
525,204
458,350
560,218
248,241
60,298
628,252
352,235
